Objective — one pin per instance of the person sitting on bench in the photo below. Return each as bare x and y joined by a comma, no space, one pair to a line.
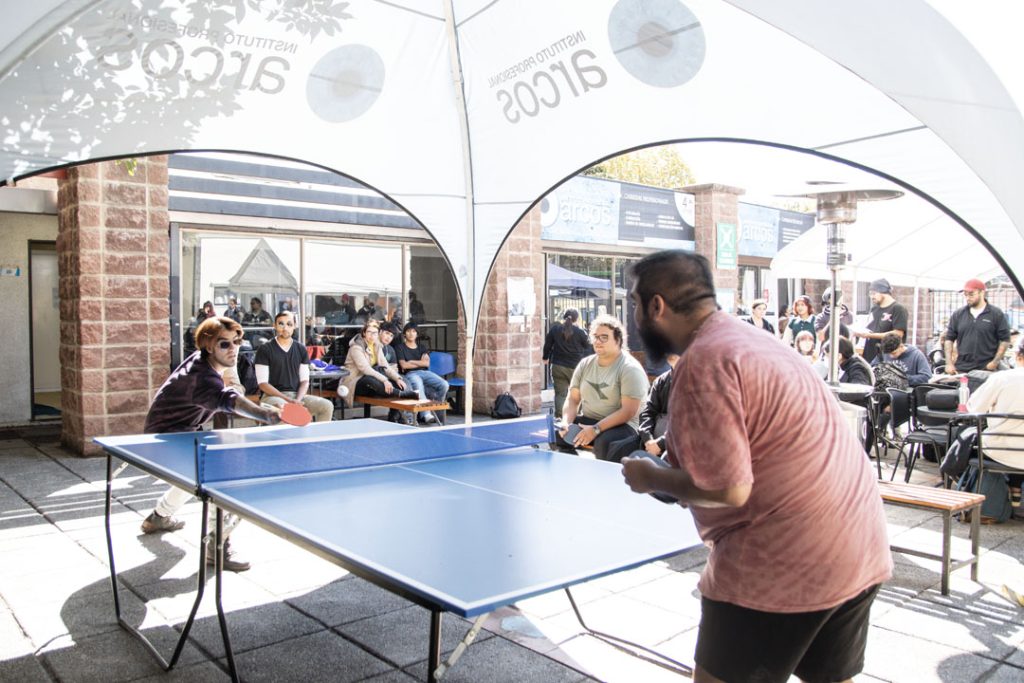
369,371
414,363
282,370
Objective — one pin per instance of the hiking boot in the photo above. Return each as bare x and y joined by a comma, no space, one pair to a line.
155,523
232,562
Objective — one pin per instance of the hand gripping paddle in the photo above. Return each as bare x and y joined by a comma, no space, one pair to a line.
663,497
295,414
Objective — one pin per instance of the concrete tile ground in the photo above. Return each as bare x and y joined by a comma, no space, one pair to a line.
295,616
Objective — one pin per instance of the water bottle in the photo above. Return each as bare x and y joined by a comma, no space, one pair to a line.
963,393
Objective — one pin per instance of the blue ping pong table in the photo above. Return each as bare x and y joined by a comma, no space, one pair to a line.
463,519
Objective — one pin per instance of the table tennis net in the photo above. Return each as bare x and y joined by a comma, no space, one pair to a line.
229,462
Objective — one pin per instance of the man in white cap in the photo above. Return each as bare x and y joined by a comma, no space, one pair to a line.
978,331
887,315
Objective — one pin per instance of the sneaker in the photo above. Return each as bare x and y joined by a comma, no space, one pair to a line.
429,418
155,523
409,418
232,562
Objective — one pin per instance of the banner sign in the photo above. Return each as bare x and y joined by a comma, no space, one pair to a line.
609,212
764,230
726,252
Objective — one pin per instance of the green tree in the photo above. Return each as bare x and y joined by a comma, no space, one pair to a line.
655,166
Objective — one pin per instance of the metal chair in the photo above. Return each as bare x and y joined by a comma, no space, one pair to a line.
1001,425
916,437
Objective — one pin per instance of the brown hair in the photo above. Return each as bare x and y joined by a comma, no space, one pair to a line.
367,325
612,323
211,328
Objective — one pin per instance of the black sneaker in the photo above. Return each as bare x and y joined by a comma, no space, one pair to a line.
155,523
232,562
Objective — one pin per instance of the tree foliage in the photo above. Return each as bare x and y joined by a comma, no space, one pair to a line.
655,166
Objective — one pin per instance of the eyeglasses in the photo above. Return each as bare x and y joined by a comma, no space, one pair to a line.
225,344
603,338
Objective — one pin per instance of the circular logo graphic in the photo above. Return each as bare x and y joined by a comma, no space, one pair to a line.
345,83
549,210
659,42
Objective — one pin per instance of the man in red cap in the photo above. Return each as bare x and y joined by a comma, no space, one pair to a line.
980,332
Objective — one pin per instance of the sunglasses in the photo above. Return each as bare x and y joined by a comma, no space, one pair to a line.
225,344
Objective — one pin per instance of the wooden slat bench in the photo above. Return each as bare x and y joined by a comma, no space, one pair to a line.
412,405
947,502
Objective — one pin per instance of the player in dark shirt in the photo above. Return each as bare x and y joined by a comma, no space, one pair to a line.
979,332
193,393
887,315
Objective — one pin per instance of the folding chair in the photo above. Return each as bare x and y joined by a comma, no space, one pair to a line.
443,364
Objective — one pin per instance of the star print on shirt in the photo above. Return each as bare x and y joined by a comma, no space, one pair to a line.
598,387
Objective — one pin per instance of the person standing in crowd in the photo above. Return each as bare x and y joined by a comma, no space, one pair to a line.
605,392
414,363
784,315
194,393
416,312
910,359
257,316
564,347
801,320
805,346
821,321
887,315
757,310
369,373
233,311
282,370
793,569
978,334
370,310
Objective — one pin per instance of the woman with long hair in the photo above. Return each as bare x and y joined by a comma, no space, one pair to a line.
802,320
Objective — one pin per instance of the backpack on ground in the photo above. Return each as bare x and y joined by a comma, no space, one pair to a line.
889,375
997,505
505,407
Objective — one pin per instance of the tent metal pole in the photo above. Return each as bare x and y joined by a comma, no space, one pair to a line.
458,88
917,294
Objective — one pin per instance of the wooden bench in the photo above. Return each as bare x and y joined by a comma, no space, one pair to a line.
412,405
947,502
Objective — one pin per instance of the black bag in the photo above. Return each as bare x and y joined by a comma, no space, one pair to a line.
959,452
997,503
505,407
889,375
942,399
246,366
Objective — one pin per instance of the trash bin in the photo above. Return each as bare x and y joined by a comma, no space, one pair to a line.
857,419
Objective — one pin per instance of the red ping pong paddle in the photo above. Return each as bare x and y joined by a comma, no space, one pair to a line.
295,414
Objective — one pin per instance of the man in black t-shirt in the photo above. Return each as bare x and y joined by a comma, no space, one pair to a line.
980,332
193,393
414,363
282,370
886,316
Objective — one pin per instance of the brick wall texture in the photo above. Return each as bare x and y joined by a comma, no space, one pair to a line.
114,269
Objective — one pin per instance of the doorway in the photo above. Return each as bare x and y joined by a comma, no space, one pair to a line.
44,303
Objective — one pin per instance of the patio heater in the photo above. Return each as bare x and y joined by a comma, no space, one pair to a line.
837,209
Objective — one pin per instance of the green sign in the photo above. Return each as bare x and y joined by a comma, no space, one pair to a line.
727,246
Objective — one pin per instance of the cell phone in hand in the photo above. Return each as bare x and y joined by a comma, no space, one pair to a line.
658,495
572,432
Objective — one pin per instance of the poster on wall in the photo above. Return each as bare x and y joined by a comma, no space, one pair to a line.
726,243
603,211
522,299
765,230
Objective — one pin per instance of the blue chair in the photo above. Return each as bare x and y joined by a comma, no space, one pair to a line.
443,364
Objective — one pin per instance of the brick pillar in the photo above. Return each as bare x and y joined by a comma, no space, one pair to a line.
508,355
715,204
114,267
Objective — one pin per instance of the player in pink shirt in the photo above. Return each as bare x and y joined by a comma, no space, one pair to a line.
778,485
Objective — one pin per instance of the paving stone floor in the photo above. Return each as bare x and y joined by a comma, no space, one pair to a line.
297,617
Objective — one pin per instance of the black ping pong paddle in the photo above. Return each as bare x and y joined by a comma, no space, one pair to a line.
663,497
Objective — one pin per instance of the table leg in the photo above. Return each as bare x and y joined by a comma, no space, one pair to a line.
219,566
947,518
434,656
975,541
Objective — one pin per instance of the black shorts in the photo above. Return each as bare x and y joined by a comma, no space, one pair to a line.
739,644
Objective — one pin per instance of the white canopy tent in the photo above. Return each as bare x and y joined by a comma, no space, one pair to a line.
465,112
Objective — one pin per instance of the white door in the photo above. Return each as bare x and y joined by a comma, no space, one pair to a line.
45,319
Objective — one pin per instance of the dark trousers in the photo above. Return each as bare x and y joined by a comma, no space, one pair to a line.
369,385
605,445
